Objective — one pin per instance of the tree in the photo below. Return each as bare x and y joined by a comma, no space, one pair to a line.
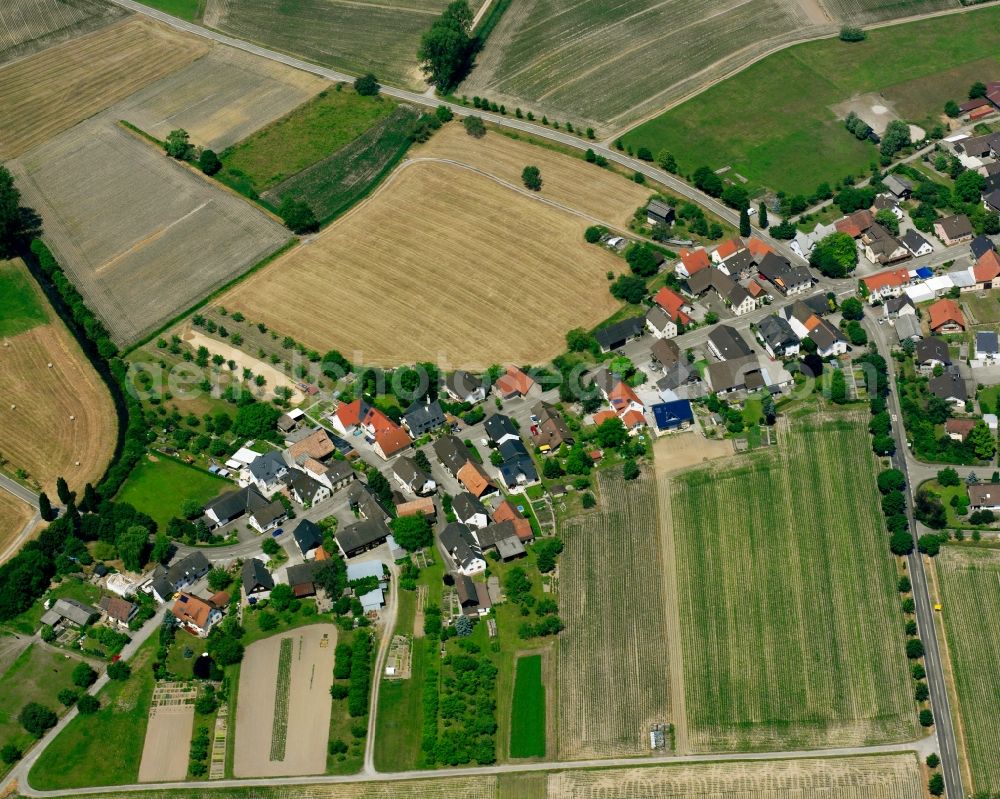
888,220
531,176
67,696
736,197
119,671
951,109
901,544
745,229
895,138
629,288
37,719
977,90
856,334
223,648
446,49
935,785
218,578
785,230
281,597
914,648
83,675
893,503
162,549
969,186
18,224
298,216
267,621
929,544
666,161
611,433
62,491
45,507
948,477
270,546
10,754
926,718
593,234
838,387
852,309
335,365
762,216
835,255
579,340
929,510
133,547
475,127
641,259
208,162
412,532
178,144
630,469
933,761
366,85
88,704
588,501
256,420
706,180
981,441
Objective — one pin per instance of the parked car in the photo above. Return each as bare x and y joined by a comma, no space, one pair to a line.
277,532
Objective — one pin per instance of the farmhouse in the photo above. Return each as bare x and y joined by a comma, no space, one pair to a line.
916,244
422,418
452,453
984,496
412,478
854,225
676,415
69,612
946,317
665,352
308,537
195,614
953,229
659,213
991,201
551,429
469,510
736,297
931,352
692,262
185,572
828,340
501,537
881,247
725,343
777,336
463,549
463,386
513,383
674,305
318,445
361,536
803,243
257,580
266,472
517,469
899,186
263,515
619,334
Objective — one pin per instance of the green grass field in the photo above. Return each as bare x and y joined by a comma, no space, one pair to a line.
968,579
527,716
774,140
159,488
37,675
792,632
105,748
28,622
313,131
191,10
20,306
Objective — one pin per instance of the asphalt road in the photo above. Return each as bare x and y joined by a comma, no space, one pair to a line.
19,491
924,610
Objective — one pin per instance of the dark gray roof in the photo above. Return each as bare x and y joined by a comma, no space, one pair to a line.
777,332
498,426
304,485
268,467
451,452
956,226
187,569
987,342
466,506
913,241
308,535
269,513
407,470
255,576
825,335
665,351
818,304
739,262
463,384
658,318
949,385
235,503
424,416
301,573
731,375
980,245
932,349
617,334
895,304
516,463
338,470
728,342
773,266
459,542
362,534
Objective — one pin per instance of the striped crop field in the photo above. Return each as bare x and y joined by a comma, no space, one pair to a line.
970,596
480,787
792,633
613,675
27,26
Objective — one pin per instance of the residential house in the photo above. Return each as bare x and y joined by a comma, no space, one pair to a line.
931,352
758,248
737,374
501,537
660,324
463,548
119,611
882,285
984,496
338,475
474,598
959,429
500,428
829,340
517,470
412,478
301,579
974,146
305,489
777,336
181,574
423,417
736,298
986,270
309,538
907,327
953,229
475,480
421,506
69,612
885,202
949,386
676,415
981,244
463,386
881,247
195,614
991,201
803,243
362,499
265,472
257,580
692,262
319,445
916,244
946,317
361,537
659,213
665,352
675,306
452,453
725,343
513,383
854,225
620,333
469,510
551,430
506,512
898,186
987,347
386,437
899,306
727,250
789,280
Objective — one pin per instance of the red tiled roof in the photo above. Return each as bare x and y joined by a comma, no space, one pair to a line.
982,111
758,249
755,289
960,427
191,609
695,260
987,267
602,416
389,436
855,224
622,395
473,478
633,419
507,512
671,302
317,445
944,311
349,413
514,381
729,248
890,278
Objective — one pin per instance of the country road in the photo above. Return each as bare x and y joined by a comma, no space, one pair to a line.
19,491
940,703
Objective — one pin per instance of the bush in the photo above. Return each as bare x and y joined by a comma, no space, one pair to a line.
593,234
935,785
338,691
933,761
119,670
914,648
926,718
475,127
337,747
367,85
88,704
67,696
852,34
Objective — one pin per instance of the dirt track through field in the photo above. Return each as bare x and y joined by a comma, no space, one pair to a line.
308,704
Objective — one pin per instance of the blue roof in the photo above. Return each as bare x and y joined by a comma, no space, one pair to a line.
669,415
925,272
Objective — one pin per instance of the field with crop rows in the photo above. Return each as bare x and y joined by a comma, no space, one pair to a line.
479,787
793,638
352,35
220,99
27,26
279,727
142,237
970,591
51,91
527,726
488,274
888,777
865,12
613,654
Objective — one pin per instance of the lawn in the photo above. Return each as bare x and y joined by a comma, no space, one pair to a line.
178,665
971,609
791,629
37,675
191,10
527,727
773,141
313,131
159,487
20,305
28,622
985,310
989,399
105,748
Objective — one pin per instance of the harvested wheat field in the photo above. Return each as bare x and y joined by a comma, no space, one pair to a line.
51,91
883,777
27,26
283,709
221,98
14,514
483,273
164,752
602,194
52,417
142,236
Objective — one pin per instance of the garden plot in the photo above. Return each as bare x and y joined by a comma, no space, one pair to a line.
51,91
171,717
27,26
143,237
220,99
283,709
